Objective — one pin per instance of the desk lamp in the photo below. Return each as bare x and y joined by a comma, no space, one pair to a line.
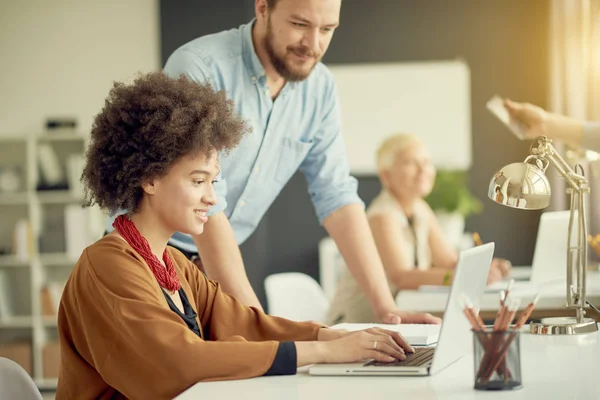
525,186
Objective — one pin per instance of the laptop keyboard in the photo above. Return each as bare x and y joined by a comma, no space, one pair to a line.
421,356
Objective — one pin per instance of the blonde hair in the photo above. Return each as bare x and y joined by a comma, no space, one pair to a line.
390,147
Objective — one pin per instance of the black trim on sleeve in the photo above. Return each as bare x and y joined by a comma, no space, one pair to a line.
285,360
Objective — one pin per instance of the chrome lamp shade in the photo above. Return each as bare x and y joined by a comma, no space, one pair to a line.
520,185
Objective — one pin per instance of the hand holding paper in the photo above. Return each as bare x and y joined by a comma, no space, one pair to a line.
511,116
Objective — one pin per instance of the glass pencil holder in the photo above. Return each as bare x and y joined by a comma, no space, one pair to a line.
497,358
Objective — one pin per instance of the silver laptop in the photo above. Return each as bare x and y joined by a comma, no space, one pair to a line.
550,256
455,336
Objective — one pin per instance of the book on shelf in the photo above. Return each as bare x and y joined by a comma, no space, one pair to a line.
75,166
50,295
51,359
5,299
76,230
23,240
48,309
50,169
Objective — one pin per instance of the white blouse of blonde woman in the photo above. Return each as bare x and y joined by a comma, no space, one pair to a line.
409,239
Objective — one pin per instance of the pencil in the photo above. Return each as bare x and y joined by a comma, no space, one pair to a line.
473,317
504,293
504,317
492,341
504,325
477,239
594,241
504,348
526,313
478,327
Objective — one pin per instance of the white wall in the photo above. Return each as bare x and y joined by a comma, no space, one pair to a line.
431,99
60,57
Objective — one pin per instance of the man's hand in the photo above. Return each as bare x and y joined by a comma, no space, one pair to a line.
405,317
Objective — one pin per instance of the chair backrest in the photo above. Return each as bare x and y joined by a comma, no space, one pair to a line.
296,296
15,382
331,265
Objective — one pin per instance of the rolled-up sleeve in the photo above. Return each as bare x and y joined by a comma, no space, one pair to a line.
591,136
186,62
326,168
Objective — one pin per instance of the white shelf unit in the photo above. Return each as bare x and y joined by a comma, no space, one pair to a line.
23,321
47,259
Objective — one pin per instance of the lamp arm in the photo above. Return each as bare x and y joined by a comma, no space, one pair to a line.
548,151
577,253
582,243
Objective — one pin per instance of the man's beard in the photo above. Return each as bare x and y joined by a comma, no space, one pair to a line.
289,73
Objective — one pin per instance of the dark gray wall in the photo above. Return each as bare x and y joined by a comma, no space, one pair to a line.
503,41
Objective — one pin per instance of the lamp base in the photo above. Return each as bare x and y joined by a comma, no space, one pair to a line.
563,326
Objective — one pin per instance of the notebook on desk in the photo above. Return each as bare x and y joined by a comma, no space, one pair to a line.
454,334
415,334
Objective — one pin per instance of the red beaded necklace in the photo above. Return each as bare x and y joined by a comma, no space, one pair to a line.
166,277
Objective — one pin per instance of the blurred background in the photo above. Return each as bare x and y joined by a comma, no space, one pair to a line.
60,57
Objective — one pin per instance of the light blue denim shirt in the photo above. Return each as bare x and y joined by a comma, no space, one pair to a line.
299,130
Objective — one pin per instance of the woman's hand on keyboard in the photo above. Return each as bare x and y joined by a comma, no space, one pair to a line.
374,343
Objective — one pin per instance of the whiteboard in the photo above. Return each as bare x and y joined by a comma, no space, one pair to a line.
430,99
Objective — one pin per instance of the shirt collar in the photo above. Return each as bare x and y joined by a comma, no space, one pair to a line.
251,61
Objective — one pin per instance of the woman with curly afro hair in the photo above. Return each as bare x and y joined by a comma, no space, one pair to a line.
137,319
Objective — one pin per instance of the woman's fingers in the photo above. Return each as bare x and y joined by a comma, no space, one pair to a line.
386,344
396,337
401,341
379,356
392,349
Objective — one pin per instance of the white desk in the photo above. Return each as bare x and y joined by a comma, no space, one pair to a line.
552,296
565,367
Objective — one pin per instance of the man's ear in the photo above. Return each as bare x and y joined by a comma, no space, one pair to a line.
260,7
149,187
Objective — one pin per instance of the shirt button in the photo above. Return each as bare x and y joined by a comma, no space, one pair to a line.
253,78
256,170
242,203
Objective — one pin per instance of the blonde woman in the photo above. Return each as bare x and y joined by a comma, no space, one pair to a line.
409,239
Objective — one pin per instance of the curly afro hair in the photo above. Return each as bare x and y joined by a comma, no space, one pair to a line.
145,127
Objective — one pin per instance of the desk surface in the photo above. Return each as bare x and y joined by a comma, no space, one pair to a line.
554,367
